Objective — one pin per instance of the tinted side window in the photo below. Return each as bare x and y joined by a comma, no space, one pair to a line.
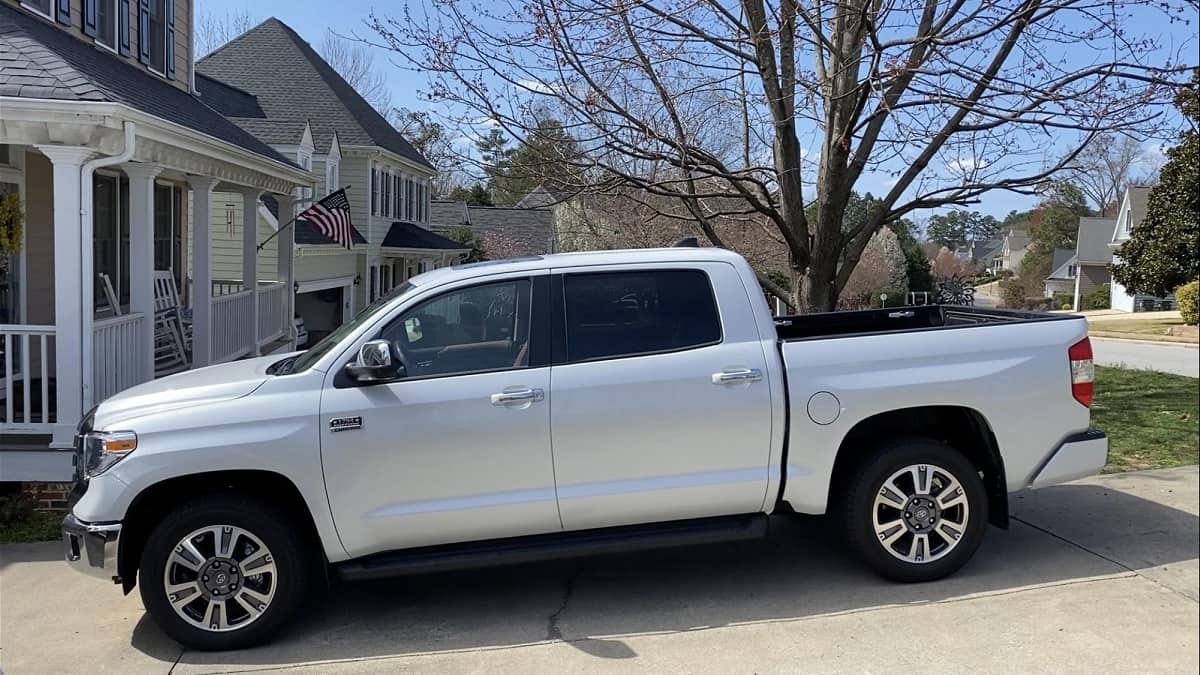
611,314
466,330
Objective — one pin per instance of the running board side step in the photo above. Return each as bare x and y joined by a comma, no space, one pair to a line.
553,546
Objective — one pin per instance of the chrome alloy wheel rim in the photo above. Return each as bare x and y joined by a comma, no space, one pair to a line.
920,513
220,578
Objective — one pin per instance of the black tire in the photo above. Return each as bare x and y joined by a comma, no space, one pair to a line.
272,526
857,509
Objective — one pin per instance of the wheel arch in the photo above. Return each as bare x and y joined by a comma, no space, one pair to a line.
147,508
963,428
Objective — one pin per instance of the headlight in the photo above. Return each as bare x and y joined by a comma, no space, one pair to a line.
102,449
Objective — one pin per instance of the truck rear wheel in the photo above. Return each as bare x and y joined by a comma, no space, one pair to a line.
223,572
916,511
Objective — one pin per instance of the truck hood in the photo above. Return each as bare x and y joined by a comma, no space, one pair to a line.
193,387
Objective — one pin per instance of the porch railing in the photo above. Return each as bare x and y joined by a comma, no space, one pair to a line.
25,354
271,306
232,326
118,349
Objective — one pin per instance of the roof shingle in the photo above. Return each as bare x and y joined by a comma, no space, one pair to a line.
312,92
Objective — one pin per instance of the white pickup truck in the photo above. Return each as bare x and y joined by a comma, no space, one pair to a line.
568,405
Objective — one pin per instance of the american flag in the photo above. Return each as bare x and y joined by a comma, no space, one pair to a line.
331,217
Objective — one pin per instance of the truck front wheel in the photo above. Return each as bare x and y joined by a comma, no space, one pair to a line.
223,572
915,511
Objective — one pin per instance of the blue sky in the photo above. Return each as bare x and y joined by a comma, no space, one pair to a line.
312,18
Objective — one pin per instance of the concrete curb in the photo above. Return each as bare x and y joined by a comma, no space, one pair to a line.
1123,337
1137,337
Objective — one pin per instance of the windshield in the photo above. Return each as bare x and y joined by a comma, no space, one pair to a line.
307,359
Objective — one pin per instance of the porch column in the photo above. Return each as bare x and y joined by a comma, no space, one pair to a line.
141,257
285,269
68,288
202,187
250,257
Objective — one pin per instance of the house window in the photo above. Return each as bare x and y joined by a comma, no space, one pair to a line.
158,35
387,195
40,6
1127,223
168,238
1071,271
408,200
374,198
398,206
331,176
106,23
110,218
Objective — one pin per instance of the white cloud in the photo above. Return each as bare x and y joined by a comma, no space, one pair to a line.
487,122
965,165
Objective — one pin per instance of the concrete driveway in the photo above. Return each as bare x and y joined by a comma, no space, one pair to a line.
1164,357
1097,576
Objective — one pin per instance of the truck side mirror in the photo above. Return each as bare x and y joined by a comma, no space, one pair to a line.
376,363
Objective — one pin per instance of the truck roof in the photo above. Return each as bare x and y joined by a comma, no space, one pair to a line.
580,259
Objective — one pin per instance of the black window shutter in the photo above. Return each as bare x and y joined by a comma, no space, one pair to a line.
89,18
144,31
170,50
122,26
64,11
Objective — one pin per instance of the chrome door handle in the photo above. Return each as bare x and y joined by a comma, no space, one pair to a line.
737,376
519,396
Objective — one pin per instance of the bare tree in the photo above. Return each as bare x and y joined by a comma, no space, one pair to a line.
1105,167
355,62
214,30
949,100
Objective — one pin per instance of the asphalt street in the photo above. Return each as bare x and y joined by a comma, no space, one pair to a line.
1162,357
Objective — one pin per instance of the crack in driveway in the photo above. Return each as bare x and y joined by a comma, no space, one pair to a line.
553,631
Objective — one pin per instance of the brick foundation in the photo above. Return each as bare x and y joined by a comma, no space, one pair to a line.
48,496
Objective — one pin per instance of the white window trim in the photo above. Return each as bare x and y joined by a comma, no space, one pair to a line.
48,14
116,18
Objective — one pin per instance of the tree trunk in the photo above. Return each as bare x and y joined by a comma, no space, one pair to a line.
818,288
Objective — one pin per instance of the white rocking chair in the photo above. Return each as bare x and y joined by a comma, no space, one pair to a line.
172,336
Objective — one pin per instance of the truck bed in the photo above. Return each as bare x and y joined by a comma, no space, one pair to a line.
900,320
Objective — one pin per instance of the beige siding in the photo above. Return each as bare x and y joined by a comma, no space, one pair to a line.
226,237
353,171
183,39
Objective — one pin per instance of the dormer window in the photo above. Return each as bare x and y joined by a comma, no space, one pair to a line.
106,23
40,6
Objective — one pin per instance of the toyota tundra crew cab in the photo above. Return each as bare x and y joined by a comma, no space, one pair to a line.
567,405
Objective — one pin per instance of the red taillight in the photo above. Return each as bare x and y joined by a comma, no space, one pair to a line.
1083,372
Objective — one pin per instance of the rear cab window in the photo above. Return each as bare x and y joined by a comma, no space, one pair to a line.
632,313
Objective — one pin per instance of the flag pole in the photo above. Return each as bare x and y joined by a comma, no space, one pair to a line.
290,223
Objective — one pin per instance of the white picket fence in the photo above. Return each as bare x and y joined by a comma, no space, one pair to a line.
272,303
232,326
25,353
118,354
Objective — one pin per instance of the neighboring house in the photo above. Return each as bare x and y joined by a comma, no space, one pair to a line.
979,254
504,232
1013,246
1133,210
315,118
117,162
1092,257
1062,274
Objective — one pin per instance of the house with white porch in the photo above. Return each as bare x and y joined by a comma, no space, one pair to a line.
319,121
117,164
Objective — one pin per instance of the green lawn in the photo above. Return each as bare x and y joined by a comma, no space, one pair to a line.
31,526
1137,326
1151,418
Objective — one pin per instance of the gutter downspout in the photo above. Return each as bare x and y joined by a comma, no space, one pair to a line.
87,311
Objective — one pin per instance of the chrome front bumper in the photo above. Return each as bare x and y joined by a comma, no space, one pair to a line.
92,548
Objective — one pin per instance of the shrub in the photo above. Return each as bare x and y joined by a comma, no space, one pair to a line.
1187,297
1038,302
1061,299
1066,307
1099,298
1012,295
